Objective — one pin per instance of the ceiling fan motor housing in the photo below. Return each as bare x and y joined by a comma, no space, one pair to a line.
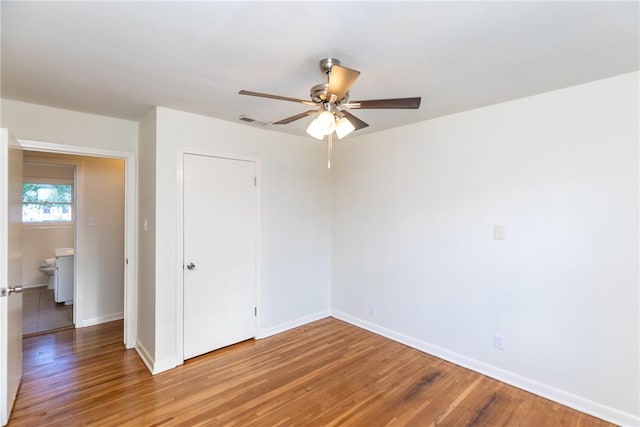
318,94
327,63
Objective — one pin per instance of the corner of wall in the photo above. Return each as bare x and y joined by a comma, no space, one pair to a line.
147,359
154,367
285,326
146,203
563,397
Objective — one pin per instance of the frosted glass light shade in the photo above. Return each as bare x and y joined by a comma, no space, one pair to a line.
323,125
344,127
327,121
315,130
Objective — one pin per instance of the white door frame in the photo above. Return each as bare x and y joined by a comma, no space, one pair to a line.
130,223
179,297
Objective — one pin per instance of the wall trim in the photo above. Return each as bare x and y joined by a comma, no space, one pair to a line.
152,366
144,355
285,326
101,319
35,285
571,400
165,365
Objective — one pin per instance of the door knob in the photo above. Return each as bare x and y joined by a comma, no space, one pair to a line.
15,290
191,266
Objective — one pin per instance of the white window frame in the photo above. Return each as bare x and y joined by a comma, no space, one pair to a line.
54,224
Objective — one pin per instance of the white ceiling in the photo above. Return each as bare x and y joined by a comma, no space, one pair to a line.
120,59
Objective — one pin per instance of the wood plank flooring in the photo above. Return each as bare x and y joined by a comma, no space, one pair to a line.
327,373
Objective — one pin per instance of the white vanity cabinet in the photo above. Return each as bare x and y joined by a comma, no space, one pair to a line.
63,276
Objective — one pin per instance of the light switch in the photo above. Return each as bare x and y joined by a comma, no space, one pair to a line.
498,232
91,221
145,225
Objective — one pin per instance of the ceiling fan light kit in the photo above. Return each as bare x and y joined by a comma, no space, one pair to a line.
332,100
344,127
327,123
316,130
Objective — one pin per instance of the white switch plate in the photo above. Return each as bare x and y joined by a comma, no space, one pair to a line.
498,232
498,342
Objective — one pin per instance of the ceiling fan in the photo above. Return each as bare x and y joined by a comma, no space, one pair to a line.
331,102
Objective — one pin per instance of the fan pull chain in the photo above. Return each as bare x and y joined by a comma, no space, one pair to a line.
329,150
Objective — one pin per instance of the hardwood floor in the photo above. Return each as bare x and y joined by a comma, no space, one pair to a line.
323,374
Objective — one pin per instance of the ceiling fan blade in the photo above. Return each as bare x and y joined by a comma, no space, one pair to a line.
296,117
372,104
356,122
281,98
340,80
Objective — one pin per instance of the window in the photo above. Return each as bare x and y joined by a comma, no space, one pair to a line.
47,203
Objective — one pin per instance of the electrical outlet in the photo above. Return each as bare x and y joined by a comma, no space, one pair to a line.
372,310
498,232
498,341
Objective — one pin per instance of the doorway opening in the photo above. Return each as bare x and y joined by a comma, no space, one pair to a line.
63,193
103,229
49,218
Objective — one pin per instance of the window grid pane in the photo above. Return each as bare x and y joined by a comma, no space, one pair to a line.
47,203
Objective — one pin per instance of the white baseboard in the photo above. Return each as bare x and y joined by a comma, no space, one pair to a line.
102,319
563,397
164,365
35,285
282,327
144,355
153,366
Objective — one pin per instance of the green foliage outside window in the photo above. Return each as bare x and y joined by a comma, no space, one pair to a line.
47,203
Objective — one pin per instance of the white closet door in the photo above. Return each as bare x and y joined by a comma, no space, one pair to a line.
219,252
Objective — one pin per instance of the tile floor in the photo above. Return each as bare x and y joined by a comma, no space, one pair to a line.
41,313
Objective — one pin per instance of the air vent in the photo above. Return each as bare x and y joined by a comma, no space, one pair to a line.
253,121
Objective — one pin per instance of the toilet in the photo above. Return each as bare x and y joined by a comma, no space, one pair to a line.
48,266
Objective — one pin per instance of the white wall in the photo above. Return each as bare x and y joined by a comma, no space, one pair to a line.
102,275
413,216
295,221
147,238
47,124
